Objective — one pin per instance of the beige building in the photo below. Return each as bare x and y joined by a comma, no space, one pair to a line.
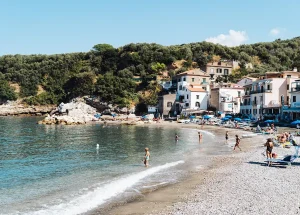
226,97
215,69
167,105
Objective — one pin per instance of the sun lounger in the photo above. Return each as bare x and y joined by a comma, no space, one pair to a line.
288,159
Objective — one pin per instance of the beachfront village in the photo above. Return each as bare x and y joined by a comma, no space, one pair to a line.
272,96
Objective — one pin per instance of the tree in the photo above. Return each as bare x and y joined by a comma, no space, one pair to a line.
6,91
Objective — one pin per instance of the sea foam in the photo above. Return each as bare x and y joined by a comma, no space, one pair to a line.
101,194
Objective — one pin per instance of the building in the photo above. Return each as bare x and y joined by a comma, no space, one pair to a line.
215,69
246,81
268,94
192,87
292,111
226,97
167,105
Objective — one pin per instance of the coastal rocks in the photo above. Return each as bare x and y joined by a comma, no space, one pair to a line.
17,108
73,113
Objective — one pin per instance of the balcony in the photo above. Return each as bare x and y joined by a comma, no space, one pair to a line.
295,89
260,91
204,83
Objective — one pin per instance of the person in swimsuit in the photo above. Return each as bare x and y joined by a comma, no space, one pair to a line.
269,145
226,137
146,157
237,142
200,137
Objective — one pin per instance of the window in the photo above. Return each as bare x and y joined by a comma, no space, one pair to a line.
178,80
197,104
187,104
197,96
249,111
204,80
193,79
183,79
180,87
187,96
288,100
259,111
239,93
268,87
225,71
288,76
169,104
212,71
183,88
204,88
288,87
294,99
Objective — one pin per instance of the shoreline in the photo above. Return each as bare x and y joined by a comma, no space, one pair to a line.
166,197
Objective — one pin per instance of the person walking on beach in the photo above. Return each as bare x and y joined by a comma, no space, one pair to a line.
146,157
226,137
200,137
237,142
269,144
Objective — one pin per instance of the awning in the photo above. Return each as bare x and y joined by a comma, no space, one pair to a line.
291,111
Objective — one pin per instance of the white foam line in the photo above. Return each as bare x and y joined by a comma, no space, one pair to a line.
203,131
154,185
101,194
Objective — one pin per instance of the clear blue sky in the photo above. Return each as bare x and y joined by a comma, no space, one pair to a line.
63,26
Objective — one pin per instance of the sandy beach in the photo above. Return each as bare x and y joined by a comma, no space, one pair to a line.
239,183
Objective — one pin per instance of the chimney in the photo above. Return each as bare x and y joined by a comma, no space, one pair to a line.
295,69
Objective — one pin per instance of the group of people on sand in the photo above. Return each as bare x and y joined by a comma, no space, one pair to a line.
285,137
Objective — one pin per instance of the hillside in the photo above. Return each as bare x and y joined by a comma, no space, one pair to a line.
108,72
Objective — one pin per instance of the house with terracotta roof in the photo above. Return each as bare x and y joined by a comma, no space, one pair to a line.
192,89
194,97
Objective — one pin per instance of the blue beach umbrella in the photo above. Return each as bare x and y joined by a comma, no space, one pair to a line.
224,119
228,116
237,119
269,121
246,120
295,122
206,117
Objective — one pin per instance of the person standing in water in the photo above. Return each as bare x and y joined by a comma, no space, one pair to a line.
226,137
237,142
147,157
176,137
200,137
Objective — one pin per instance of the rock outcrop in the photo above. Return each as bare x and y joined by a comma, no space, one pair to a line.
17,108
72,113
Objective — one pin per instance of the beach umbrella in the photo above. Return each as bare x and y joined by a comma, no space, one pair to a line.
206,117
224,119
269,121
228,116
246,119
295,122
237,119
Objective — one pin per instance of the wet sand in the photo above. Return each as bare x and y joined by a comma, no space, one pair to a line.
165,200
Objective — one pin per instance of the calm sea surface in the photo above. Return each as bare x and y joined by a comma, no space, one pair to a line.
59,170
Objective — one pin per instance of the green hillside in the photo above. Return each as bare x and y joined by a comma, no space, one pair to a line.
109,72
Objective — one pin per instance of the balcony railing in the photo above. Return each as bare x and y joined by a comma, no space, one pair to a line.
260,91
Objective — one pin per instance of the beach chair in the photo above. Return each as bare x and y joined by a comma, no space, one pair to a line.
288,159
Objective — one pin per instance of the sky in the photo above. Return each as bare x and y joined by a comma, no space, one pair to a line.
65,26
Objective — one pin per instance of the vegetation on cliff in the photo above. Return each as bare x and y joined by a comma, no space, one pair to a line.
110,72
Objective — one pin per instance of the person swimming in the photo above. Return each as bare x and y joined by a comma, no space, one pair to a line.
146,157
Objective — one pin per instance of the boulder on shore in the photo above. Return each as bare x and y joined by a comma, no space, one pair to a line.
73,113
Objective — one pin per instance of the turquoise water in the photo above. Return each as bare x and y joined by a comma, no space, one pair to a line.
59,170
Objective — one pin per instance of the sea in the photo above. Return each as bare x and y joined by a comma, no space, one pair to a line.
54,169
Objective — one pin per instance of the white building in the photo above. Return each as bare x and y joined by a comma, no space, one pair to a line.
226,97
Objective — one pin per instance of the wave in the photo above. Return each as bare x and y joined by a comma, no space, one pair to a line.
101,194
203,131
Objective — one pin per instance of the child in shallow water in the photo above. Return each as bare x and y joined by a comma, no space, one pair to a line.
147,157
